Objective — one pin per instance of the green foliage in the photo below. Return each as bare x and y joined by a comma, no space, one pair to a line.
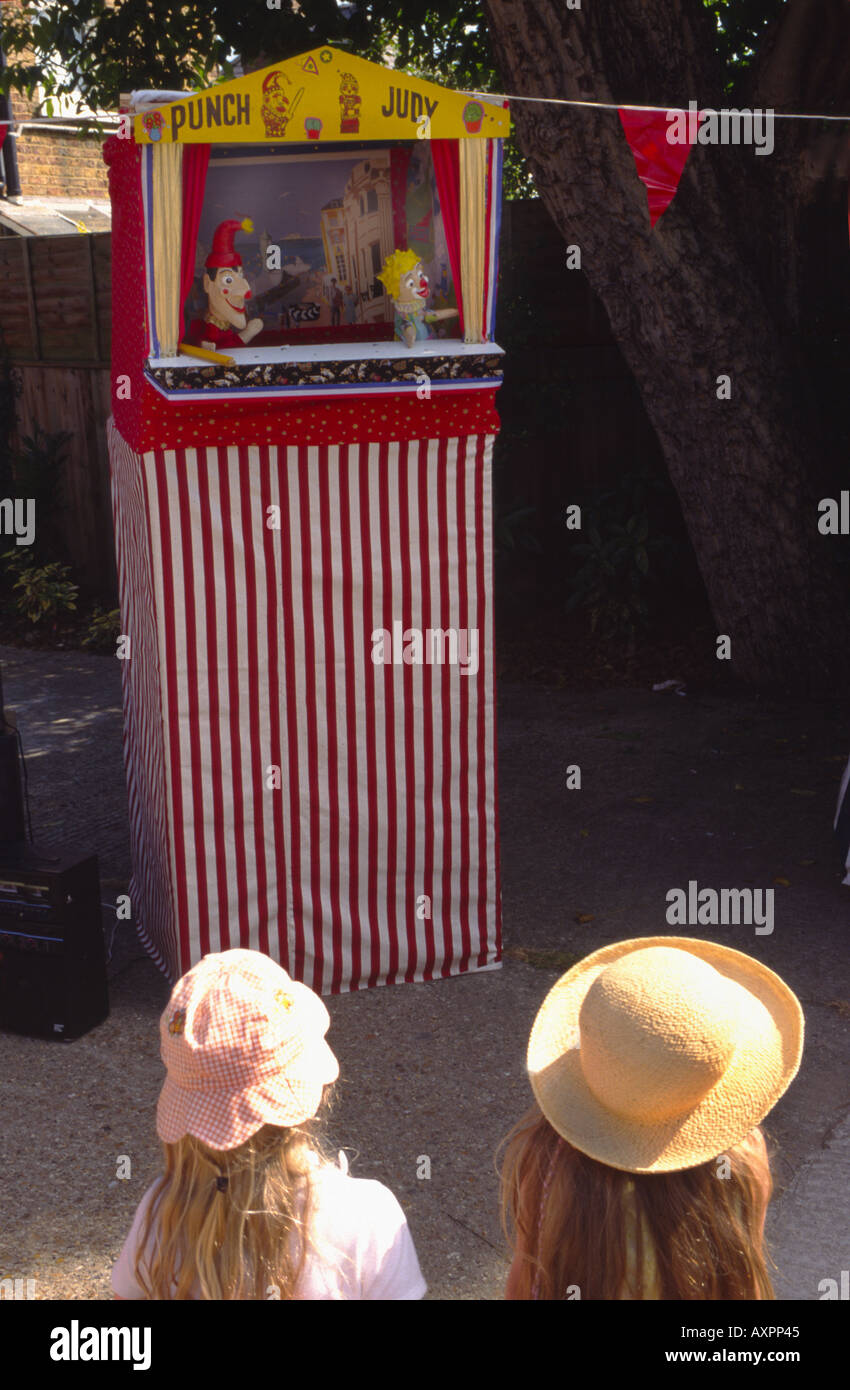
517,178
104,629
740,28
108,49
45,590
615,575
167,44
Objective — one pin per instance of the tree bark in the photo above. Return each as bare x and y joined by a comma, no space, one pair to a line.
723,284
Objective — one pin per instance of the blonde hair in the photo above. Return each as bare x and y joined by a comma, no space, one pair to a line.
395,266
246,1238
575,1223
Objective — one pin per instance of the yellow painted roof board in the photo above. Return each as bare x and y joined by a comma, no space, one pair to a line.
324,95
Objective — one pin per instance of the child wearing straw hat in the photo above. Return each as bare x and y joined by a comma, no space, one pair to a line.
249,1205
642,1172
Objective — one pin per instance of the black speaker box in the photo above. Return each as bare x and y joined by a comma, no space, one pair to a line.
52,957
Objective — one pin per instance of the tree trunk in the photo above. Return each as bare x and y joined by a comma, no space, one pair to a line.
724,284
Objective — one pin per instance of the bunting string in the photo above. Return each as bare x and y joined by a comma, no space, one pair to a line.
667,110
495,96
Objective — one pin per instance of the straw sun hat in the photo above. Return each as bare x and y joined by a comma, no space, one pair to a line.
244,1046
661,1053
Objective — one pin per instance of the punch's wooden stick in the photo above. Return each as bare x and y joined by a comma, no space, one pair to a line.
206,355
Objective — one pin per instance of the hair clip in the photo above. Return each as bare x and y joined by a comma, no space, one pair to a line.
221,1184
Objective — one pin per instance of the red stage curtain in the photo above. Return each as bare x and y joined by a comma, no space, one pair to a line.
196,159
447,172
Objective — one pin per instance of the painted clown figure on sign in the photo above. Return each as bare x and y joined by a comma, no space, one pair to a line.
225,323
408,285
278,108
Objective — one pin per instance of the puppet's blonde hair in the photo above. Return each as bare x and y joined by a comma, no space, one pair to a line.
395,266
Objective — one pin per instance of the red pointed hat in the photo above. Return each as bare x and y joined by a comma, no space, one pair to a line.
222,253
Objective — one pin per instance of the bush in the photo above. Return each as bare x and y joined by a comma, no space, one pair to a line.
45,591
621,563
104,629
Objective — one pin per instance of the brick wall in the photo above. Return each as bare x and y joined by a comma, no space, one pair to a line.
53,163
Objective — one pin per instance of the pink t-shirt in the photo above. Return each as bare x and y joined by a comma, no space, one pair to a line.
361,1246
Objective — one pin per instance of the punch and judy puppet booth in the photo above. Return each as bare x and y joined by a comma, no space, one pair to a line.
304,381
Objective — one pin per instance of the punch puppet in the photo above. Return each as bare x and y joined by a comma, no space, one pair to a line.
225,324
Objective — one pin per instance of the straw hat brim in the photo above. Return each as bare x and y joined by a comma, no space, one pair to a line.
769,1046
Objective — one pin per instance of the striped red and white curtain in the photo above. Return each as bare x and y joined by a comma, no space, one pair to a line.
286,793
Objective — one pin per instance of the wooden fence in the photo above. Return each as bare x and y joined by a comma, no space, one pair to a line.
56,301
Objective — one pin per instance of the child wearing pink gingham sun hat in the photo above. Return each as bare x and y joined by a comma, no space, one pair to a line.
249,1205
244,1046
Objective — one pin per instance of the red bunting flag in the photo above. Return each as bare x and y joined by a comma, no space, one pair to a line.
659,162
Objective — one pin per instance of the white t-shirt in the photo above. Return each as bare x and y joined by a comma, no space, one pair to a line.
361,1246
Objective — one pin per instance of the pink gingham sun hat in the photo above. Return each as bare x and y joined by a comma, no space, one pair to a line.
244,1046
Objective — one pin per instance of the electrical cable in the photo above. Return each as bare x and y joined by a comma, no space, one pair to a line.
25,784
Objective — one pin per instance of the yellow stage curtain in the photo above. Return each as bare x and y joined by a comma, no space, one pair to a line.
167,231
473,176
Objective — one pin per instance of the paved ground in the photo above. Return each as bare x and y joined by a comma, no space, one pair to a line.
730,791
